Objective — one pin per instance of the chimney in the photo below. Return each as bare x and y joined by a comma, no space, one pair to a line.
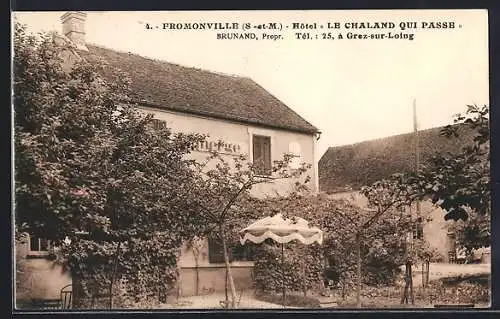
73,27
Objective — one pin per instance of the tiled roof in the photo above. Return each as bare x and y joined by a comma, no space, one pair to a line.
173,87
349,167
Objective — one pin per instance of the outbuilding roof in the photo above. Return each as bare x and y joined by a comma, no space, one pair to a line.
349,167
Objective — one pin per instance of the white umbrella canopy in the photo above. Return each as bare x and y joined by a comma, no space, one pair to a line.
281,230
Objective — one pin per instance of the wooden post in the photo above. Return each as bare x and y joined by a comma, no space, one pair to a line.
411,283
404,298
112,279
304,279
408,290
225,288
196,254
423,275
427,271
283,272
417,164
228,267
358,286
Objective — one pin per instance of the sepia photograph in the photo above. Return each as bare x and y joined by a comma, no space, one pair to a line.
228,160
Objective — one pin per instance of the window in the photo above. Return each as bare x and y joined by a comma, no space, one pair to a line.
262,154
242,252
215,253
39,244
236,253
418,229
158,124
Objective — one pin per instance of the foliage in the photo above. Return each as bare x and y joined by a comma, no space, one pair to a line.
301,269
223,190
461,289
387,194
457,182
222,197
88,163
291,300
460,183
474,233
472,289
393,199
382,247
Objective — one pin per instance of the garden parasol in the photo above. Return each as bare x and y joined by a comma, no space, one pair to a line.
283,231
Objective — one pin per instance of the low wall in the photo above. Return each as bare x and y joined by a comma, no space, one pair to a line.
213,278
39,277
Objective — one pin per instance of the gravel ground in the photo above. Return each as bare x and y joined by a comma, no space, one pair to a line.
248,301
213,302
442,270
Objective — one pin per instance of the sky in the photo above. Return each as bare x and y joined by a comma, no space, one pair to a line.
351,90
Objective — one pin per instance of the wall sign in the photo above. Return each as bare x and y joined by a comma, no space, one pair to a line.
223,147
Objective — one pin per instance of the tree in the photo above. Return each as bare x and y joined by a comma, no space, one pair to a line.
87,162
474,233
386,195
304,265
222,196
460,182
360,245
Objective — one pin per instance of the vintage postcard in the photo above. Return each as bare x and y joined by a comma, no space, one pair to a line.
278,160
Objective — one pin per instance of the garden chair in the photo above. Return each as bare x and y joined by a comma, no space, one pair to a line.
67,297
90,295
452,257
46,303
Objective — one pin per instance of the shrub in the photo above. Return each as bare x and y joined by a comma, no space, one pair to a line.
302,268
382,246
290,300
461,289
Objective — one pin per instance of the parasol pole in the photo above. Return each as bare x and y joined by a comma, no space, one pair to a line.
283,271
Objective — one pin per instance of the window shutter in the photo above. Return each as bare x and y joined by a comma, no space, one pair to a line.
262,154
44,244
257,149
34,243
215,250
418,229
266,145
